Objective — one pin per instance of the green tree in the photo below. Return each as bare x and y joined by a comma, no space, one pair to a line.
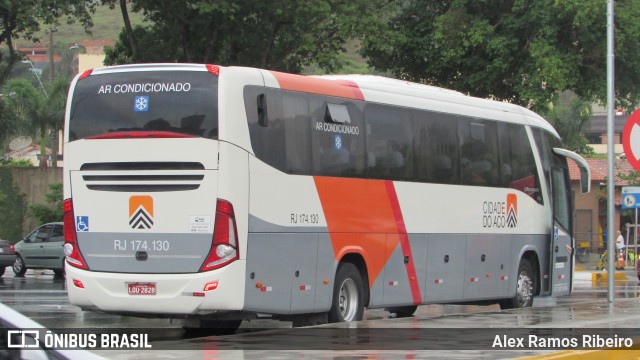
53,113
12,163
8,123
22,19
12,207
131,40
25,109
281,34
53,211
30,111
22,109
568,115
521,51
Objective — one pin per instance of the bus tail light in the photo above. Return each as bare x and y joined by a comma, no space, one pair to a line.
85,74
71,250
140,135
224,248
214,69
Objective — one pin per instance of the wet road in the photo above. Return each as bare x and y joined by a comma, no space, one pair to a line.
43,298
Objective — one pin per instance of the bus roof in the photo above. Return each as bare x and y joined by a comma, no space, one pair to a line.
149,67
375,84
403,87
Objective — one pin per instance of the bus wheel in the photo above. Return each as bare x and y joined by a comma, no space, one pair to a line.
402,311
348,295
525,287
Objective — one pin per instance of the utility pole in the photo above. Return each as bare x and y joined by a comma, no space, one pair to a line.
610,149
51,48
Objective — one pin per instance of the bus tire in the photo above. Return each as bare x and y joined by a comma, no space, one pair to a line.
402,311
348,295
525,288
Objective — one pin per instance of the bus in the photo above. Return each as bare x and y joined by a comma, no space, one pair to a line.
215,194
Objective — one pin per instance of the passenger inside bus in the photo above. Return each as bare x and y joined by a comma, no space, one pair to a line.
476,167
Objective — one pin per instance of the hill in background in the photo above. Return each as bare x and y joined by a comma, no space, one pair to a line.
108,24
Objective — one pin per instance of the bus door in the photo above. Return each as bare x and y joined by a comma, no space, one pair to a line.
562,247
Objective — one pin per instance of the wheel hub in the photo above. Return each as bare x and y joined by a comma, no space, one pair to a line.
348,300
525,288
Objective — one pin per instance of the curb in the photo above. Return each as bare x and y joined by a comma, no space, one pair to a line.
589,354
597,277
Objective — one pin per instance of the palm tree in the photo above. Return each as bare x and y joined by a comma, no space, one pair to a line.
31,111
54,112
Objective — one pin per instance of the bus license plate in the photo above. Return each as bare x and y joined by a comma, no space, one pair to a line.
142,288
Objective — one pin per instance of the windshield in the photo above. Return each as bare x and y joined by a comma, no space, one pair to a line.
184,102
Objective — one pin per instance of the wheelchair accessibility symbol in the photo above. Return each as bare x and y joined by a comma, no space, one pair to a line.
629,200
82,223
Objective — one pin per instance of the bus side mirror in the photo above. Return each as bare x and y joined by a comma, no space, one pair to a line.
585,172
584,182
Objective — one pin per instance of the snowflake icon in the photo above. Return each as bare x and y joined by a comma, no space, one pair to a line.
141,103
338,142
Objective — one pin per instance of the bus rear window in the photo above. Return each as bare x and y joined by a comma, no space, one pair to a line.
181,102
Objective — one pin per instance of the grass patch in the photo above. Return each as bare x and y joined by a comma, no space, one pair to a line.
107,24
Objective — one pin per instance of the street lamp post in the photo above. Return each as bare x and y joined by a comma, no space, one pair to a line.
33,70
72,64
43,152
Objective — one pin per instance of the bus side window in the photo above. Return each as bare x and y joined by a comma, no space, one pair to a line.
389,142
337,137
279,128
297,132
436,147
524,173
267,142
545,142
479,152
505,155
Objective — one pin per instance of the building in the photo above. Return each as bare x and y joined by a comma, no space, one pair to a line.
39,57
590,218
595,130
30,153
93,56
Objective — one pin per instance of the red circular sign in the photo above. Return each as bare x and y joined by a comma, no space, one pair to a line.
631,140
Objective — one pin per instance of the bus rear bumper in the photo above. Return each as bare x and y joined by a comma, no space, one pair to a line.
175,294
